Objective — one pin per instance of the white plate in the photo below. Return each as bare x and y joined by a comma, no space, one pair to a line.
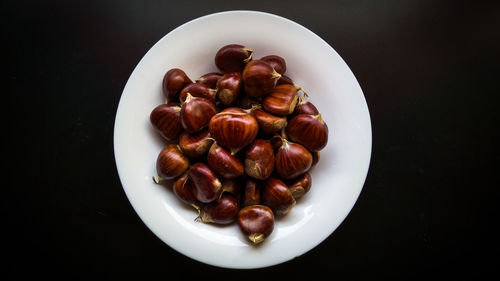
313,64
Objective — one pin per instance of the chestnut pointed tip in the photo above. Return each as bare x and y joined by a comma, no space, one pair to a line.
256,238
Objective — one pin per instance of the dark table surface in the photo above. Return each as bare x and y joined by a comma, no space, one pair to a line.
429,71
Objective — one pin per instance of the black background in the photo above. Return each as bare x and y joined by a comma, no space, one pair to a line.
429,71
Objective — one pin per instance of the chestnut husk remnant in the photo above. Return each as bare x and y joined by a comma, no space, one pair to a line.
195,145
269,123
282,100
292,160
233,128
171,163
276,195
198,90
196,113
229,88
259,159
223,163
309,130
300,185
277,62
232,58
251,194
259,78
210,79
207,187
165,118
223,211
256,222
173,82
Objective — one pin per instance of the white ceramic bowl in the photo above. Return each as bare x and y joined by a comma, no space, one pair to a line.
313,64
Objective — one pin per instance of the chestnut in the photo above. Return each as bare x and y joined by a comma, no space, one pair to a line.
276,195
277,62
171,163
259,159
209,79
305,107
285,80
268,123
173,82
223,211
300,185
229,87
195,145
251,194
184,190
198,90
309,130
233,128
316,156
256,222
282,100
232,58
259,78
247,102
207,187
233,186
196,113
292,160
223,163
166,120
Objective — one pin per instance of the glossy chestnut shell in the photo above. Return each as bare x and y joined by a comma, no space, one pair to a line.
300,185
256,222
210,79
259,78
292,160
207,187
277,62
196,113
305,107
276,195
223,163
309,130
251,194
229,87
222,211
259,159
195,145
232,58
269,123
165,118
173,82
184,190
233,128
198,90
171,163
282,100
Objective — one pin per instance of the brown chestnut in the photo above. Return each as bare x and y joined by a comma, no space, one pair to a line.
173,82
259,159
282,100
300,185
247,102
198,90
259,78
251,194
233,128
223,163
209,79
268,123
184,190
229,87
195,145
222,211
276,195
277,62
166,120
207,187
233,186
256,222
309,130
305,107
292,160
171,163
196,113
232,58
285,80
316,156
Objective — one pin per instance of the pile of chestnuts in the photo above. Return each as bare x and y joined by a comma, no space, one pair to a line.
240,142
